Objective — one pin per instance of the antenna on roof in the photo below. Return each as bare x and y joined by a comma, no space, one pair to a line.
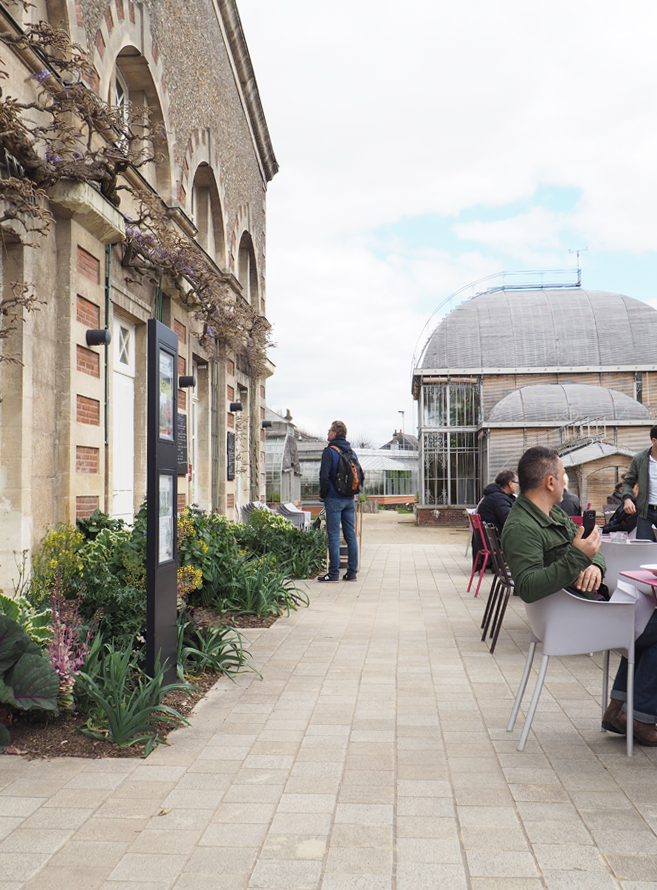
579,271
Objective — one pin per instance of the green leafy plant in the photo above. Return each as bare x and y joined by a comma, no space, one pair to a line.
98,522
259,588
218,649
27,679
36,623
127,703
298,553
206,543
58,556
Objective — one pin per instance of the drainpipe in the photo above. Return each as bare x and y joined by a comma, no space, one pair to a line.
108,267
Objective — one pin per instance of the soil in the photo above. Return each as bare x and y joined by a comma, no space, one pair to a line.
42,735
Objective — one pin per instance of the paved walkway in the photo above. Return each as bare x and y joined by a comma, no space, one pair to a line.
372,756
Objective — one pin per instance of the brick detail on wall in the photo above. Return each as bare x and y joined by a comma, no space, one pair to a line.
262,435
85,506
180,330
100,43
120,14
230,367
262,414
86,459
109,21
262,391
88,265
230,500
230,392
230,421
87,361
88,313
88,411
182,502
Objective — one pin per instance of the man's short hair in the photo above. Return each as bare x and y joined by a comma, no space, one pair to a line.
653,433
339,428
535,464
504,477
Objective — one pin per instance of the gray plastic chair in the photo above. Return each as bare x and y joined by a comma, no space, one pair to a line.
570,625
623,557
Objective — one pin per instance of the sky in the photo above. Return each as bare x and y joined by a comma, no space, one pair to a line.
427,145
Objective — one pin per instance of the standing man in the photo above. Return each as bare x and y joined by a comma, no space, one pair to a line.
643,470
546,552
338,509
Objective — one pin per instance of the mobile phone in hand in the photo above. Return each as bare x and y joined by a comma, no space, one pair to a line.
588,522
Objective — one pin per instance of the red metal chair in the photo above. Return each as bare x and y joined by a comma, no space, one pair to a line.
483,553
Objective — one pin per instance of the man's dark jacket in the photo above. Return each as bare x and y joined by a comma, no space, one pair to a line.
329,467
639,472
570,504
495,505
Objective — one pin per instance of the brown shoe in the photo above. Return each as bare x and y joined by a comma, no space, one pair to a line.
644,733
612,712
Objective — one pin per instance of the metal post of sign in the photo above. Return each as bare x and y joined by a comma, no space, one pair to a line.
161,497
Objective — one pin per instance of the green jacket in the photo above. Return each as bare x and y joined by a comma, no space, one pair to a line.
639,472
539,551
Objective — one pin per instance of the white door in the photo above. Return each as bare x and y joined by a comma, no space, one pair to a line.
123,421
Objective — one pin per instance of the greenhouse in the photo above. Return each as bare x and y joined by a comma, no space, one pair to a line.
388,474
283,470
513,367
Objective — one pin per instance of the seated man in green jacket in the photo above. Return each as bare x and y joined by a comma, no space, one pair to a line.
546,552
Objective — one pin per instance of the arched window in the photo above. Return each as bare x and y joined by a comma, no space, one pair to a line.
206,214
132,86
246,270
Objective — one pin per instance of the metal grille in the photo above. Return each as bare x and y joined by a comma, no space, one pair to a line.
450,463
451,404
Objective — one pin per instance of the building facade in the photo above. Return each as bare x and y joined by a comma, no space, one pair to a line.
564,367
73,414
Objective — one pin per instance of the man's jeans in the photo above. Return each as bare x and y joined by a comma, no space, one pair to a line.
341,509
645,675
644,527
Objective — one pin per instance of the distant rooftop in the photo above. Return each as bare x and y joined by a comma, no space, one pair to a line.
566,327
562,403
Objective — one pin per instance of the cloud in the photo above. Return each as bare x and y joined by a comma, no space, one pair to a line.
464,112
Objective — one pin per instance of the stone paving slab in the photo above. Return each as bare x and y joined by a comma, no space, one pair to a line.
373,755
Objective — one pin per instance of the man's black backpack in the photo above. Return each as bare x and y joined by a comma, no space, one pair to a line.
349,476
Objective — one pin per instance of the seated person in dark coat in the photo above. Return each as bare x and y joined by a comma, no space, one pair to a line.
498,499
494,507
570,503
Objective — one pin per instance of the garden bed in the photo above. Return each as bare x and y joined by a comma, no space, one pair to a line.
39,735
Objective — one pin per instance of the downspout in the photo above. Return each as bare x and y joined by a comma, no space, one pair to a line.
108,267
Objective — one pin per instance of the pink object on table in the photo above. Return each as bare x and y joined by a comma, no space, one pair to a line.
642,576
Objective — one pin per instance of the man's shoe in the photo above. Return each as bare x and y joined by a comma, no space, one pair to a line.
611,714
328,577
644,733
349,577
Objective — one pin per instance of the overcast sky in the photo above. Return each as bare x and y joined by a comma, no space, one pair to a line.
426,145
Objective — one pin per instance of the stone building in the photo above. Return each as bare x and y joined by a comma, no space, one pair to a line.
565,367
73,415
